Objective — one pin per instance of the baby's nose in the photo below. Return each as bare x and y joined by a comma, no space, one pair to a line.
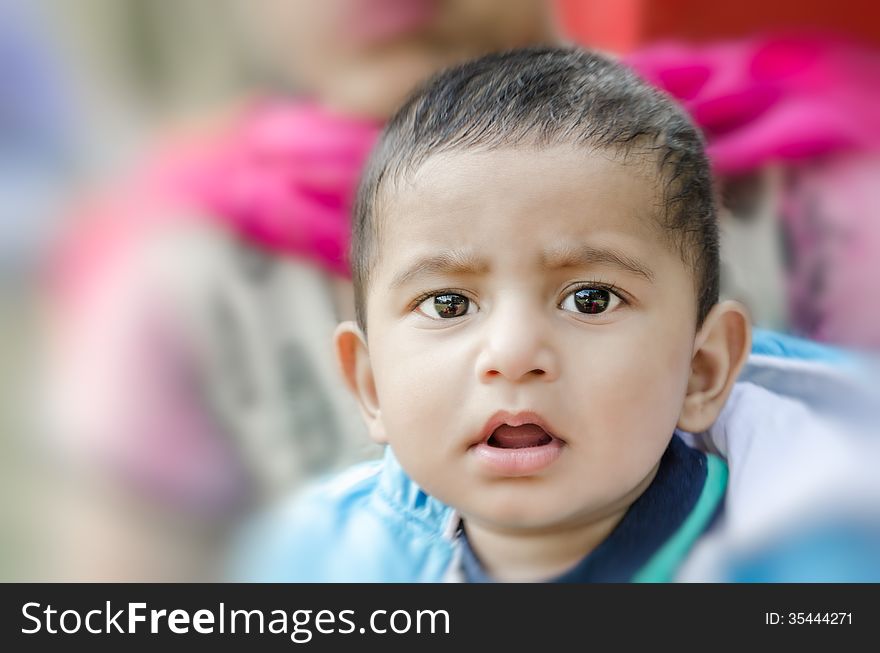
517,350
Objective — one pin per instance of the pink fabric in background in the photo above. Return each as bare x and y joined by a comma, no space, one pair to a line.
811,104
772,98
280,176
832,216
283,177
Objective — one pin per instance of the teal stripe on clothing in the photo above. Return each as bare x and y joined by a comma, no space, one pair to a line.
661,568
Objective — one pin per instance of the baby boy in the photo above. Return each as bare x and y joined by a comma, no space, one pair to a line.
535,257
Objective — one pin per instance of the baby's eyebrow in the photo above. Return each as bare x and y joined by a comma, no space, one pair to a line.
462,262
569,256
451,262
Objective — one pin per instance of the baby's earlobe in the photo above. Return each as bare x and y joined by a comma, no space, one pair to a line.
377,429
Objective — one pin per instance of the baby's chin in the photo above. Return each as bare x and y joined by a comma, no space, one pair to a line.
529,517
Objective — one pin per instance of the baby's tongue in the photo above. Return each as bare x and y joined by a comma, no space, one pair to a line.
518,437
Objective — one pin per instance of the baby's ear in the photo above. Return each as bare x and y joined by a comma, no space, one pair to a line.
721,348
353,358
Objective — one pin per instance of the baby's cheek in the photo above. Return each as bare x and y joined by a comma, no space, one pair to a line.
651,390
415,399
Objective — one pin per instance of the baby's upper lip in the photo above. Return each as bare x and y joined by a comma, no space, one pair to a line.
514,419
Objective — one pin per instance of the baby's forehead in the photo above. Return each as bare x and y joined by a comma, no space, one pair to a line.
567,161
573,191
542,210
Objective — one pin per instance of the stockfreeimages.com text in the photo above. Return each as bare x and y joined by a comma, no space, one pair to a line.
300,625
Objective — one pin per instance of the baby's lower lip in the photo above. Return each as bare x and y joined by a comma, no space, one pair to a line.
516,462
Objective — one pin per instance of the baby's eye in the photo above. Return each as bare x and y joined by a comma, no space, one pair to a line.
445,306
590,301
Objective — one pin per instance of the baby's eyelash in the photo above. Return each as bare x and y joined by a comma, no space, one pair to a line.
602,285
436,293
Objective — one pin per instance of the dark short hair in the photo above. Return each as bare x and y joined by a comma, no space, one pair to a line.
538,97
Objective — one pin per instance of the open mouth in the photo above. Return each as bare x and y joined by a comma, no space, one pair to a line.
516,445
519,437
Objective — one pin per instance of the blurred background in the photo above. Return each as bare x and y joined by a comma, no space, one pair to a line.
175,182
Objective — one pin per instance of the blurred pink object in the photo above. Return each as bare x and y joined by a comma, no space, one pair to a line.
284,177
811,104
832,214
131,374
772,98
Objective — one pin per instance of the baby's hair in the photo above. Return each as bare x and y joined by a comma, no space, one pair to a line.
543,97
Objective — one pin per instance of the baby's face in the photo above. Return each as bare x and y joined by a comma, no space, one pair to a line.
530,333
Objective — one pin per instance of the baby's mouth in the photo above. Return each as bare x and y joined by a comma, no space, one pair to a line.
516,445
519,437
